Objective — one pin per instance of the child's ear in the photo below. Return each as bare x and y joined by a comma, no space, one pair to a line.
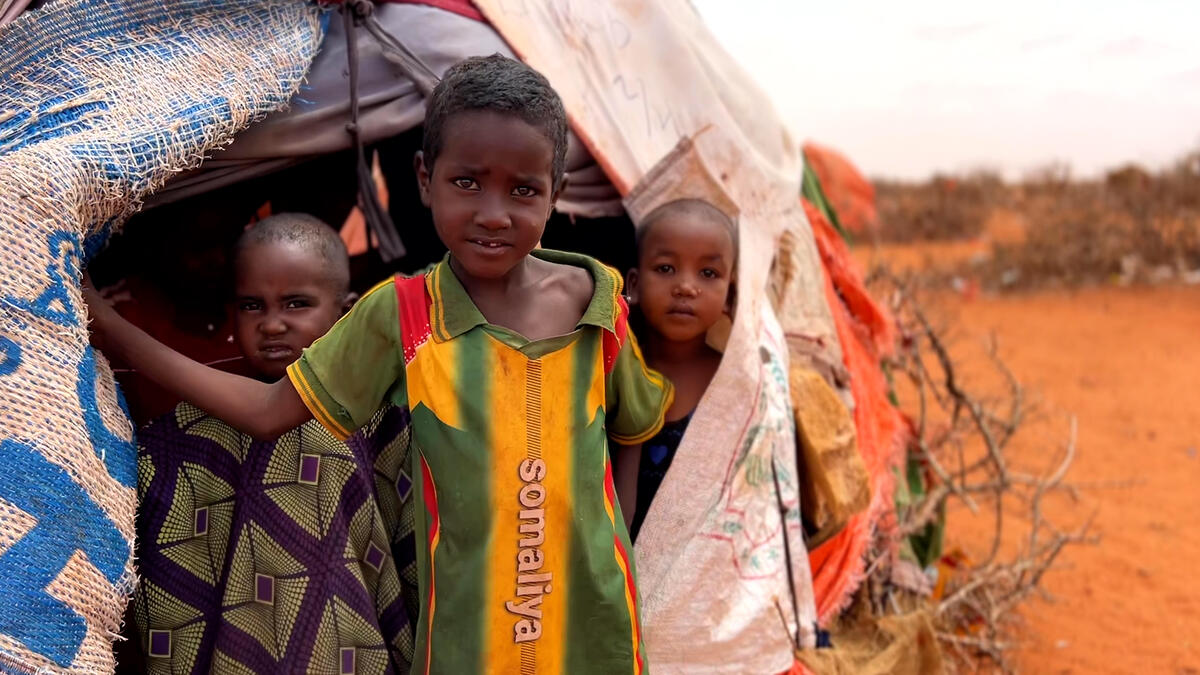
731,299
423,175
349,301
631,286
558,190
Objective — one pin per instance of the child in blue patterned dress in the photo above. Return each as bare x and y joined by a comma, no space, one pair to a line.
682,285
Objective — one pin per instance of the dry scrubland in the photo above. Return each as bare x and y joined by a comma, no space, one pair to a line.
1048,230
1088,293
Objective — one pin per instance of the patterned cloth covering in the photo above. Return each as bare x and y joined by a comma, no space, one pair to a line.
275,557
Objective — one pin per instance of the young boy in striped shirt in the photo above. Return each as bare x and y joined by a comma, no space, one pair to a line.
517,367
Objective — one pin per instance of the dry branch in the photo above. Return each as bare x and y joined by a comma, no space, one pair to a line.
975,615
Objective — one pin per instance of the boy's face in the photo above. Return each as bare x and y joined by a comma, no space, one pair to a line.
283,302
491,190
682,279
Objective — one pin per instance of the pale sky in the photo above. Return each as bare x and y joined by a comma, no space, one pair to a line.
906,89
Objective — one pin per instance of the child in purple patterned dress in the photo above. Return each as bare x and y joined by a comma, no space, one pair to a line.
284,555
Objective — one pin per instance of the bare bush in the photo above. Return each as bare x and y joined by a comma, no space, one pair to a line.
1134,226
962,438
945,207
1050,178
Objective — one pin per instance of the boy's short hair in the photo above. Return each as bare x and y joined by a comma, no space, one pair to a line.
309,232
499,84
691,208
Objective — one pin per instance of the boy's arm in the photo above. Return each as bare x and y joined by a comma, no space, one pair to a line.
637,397
261,410
625,467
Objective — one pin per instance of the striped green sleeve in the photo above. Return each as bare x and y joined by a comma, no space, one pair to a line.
345,377
637,398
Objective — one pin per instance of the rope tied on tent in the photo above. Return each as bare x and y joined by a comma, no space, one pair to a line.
356,14
393,50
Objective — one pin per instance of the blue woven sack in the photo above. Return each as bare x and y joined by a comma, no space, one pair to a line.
101,101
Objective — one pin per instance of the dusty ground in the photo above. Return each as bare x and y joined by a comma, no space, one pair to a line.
1126,363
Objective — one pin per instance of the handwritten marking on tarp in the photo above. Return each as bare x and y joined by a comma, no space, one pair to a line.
754,536
649,111
638,93
617,29
67,521
590,29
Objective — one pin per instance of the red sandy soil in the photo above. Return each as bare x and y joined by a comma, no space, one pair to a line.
1126,363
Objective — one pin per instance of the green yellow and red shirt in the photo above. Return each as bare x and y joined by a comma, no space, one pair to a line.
524,562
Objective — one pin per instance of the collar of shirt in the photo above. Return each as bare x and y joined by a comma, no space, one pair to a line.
453,313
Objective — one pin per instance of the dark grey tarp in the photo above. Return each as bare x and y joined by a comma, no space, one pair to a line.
389,104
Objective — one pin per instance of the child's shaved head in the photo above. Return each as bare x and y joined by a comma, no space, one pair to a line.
691,209
292,285
311,234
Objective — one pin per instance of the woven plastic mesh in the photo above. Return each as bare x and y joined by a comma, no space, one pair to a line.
101,101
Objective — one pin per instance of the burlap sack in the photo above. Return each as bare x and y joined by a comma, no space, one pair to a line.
100,102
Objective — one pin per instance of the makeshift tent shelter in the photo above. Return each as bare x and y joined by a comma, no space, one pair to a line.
97,115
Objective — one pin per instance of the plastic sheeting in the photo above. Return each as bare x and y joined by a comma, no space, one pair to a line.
850,194
314,124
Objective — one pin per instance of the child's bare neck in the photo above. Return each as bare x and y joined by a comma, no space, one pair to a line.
690,366
667,353
537,299
515,285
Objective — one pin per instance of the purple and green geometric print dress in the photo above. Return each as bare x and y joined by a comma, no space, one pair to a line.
285,556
